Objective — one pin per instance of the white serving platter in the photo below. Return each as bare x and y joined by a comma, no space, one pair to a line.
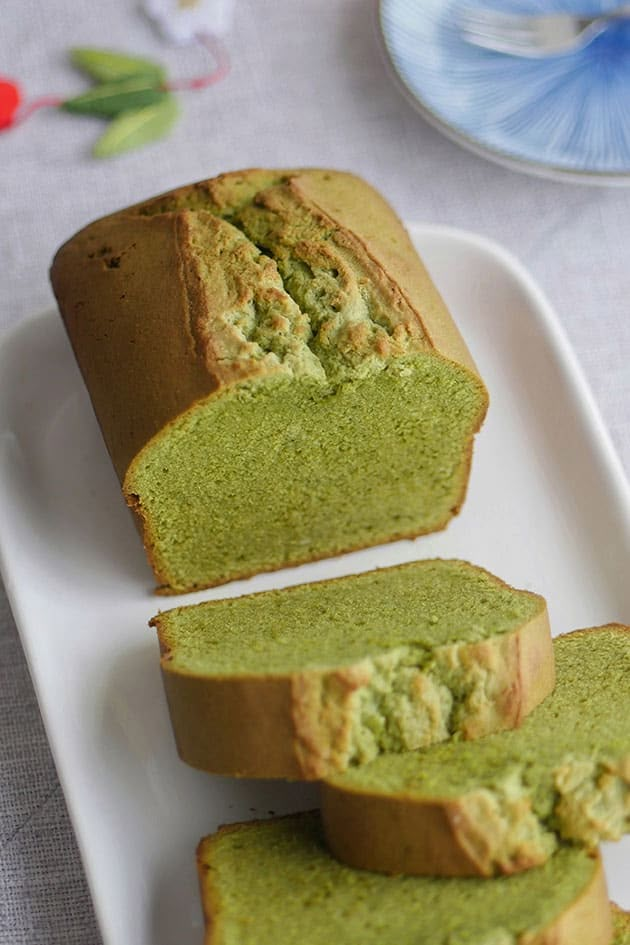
548,509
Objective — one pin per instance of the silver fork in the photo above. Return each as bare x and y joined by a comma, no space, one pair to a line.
534,36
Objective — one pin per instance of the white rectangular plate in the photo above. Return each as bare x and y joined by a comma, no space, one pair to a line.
548,509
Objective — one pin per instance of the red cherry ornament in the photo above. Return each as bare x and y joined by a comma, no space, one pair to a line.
10,99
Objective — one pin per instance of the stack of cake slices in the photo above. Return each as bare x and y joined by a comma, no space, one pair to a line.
469,765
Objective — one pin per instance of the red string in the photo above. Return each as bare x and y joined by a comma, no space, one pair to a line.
219,53
44,101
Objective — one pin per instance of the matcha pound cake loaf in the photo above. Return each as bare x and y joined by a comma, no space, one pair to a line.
274,882
306,681
507,802
276,378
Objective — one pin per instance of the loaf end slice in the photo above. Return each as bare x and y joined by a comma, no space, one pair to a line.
274,881
309,680
506,803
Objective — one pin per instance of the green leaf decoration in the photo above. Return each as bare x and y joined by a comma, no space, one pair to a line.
112,98
105,66
134,128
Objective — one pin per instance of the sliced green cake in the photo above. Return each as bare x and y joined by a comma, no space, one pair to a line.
505,803
621,925
272,882
305,681
276,377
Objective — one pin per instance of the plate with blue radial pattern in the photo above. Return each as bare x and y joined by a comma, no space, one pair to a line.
564,116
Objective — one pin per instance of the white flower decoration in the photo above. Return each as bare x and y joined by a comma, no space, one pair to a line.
182,21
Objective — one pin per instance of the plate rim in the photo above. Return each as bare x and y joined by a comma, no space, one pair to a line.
562,175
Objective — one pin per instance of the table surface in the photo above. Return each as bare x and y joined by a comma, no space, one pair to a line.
307,87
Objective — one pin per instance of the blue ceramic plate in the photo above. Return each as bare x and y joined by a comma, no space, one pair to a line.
565,116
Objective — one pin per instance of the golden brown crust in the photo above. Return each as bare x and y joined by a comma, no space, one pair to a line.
535,667
298,726
210,900
402,833
123,299
361,835
239,727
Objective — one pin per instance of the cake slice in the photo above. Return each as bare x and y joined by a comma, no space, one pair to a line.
275,375
621,926
303,682
507,802
272,882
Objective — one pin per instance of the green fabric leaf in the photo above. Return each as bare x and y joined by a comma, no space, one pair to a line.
112,98
134,128
106,66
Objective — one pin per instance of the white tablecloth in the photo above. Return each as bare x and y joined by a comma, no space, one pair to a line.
307,87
